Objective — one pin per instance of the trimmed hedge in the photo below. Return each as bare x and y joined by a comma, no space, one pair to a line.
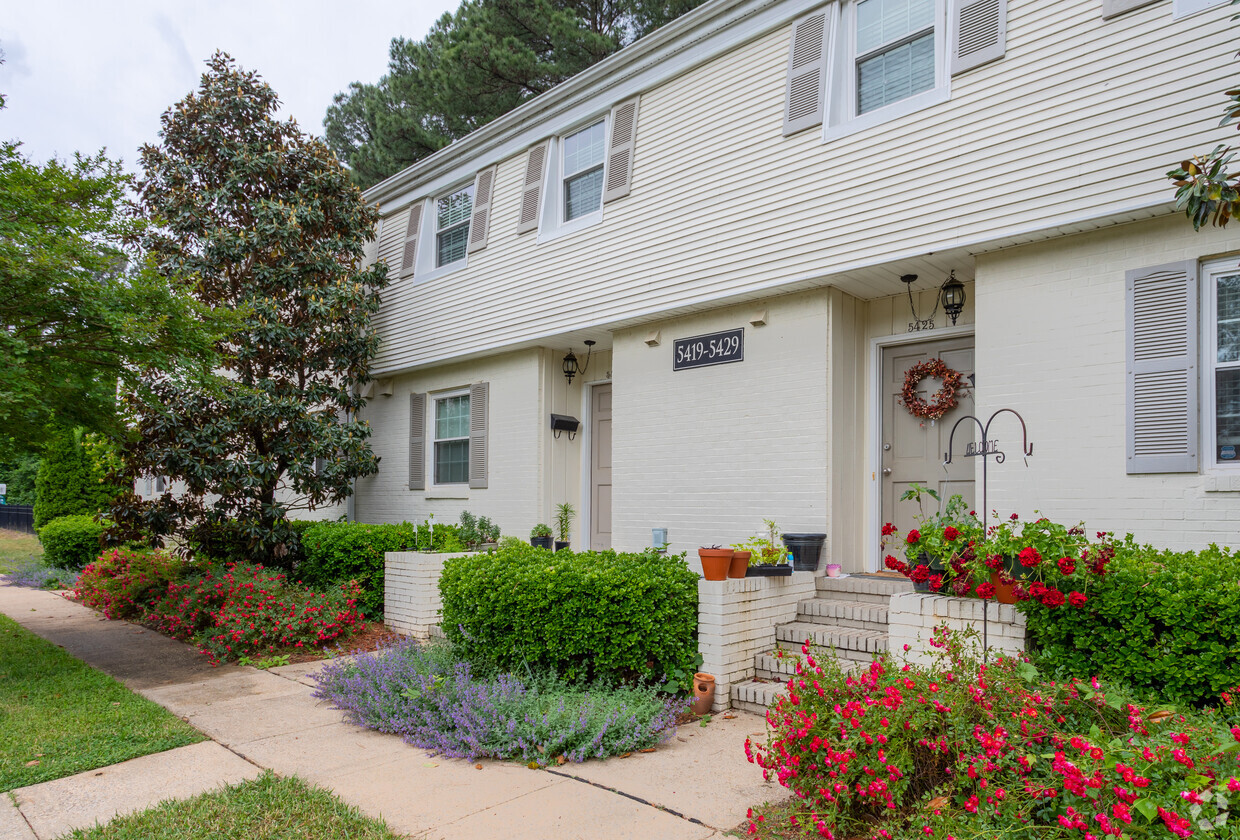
1159,621
337,552
591,614
70,542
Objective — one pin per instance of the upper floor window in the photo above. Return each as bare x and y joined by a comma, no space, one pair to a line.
1222,358
584,153
895,51
452,214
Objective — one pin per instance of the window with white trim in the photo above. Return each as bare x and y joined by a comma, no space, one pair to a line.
582,159
450,432
1221,350
452,215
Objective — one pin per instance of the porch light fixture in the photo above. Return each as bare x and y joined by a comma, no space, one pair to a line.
570,366
952,297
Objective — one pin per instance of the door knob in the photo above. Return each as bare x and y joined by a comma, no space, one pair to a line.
886,470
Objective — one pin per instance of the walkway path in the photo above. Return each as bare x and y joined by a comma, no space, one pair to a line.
695,787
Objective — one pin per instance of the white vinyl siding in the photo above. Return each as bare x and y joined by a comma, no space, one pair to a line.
894,51
451,438
584,153
452,215
1221,316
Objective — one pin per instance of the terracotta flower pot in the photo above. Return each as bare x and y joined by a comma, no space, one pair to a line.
703,693
740,564
715,562
1003,591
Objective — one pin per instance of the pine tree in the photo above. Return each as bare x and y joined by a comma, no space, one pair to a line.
63,485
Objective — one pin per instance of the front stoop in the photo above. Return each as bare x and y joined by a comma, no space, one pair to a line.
849,614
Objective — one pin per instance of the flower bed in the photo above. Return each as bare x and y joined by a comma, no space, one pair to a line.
968,749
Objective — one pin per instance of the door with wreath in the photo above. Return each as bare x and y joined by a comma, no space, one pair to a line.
913,438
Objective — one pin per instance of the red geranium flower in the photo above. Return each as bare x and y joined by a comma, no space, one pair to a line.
1029,557
950,533
994,562
986,590
888,529
1067,565
1052,598
936,582
919,574
913,536
1077,599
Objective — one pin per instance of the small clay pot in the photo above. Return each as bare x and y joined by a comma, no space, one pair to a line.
715,562
739,565
703,693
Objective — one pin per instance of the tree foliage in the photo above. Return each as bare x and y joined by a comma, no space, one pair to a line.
78,312
256,218
17,472
73,477
475,65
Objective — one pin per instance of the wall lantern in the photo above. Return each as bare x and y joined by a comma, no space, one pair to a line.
952,296
564,423
570,363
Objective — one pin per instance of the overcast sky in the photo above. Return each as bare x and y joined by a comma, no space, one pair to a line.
80,75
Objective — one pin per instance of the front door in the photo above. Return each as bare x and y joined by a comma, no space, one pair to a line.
913,448
600,467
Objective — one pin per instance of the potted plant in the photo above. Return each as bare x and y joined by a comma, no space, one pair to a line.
540,536
564,524
939,550
766,557
715,562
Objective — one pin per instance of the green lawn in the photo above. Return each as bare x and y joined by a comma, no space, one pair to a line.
268,808
59,716
15,547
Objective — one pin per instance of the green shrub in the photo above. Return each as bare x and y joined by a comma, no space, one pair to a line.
64,484
227,541
123,583
1160,621
336,552
70,542
588,614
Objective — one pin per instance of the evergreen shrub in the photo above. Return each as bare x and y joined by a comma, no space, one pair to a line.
337,552
70,542
1162,622
590,614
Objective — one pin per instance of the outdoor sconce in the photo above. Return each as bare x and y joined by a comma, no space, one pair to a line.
570,363
952,297
564,423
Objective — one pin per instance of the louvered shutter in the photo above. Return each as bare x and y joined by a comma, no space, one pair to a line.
479,395
1114,8
409,255
979,32
480,221
531,189
1162,402
807,74
620,152
417,441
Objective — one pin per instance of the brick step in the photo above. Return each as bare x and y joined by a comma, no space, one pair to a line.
866,588
756,696
843,612
768,666
847,641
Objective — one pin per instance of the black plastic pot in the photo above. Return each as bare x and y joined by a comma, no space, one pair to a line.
769,570
806,549
560,545
935,566
541,542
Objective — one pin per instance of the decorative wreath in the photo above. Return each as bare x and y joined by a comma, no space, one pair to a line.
943,402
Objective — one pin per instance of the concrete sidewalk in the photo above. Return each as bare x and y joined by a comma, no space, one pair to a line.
695,787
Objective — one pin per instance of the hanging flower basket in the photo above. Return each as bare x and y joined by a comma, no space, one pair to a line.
944,401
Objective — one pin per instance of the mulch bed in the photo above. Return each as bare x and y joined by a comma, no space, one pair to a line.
371,637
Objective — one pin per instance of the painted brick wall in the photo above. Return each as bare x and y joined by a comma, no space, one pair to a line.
411,600
912,618
1050,344
709,452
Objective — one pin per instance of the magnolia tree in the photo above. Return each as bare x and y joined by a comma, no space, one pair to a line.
255,217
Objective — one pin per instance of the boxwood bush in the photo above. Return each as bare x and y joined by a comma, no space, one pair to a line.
336,552
1160,621
590,614
70,542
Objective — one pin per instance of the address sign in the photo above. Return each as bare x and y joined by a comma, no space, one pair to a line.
712,349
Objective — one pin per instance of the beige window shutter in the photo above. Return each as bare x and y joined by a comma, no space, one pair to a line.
807,74
1115,8
480,222
620,151
409,256
531,188
1161,353
417,441
979,33
479,396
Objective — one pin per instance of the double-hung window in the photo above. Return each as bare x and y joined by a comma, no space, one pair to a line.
1221,299
894,51
452,214
584,154
451,436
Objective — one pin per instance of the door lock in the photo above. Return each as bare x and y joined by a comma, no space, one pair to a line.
886,470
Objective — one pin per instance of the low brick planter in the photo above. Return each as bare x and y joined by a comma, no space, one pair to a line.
411,601
913,616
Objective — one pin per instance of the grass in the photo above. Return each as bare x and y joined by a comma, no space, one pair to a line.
59,716
17,547
267,808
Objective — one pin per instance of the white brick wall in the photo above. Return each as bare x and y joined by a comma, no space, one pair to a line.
736,621
1050,344
411,602
709,452
912,618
